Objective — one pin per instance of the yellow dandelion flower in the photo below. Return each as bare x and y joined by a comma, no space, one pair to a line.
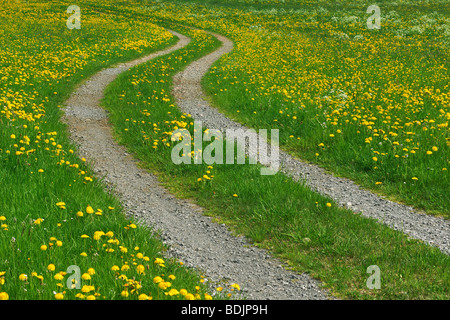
86,276
236,286
140,269
59,296
58,277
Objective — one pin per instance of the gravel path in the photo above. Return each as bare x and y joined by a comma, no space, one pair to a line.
189,97
192,237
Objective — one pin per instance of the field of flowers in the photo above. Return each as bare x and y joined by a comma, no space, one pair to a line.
56,219
372,105
305,229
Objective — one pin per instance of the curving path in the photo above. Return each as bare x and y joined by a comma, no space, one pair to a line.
192,237
189,97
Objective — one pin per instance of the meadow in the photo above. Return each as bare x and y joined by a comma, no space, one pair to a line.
371,105
308,231
56,217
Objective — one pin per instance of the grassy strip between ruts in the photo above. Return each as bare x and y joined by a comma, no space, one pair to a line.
304,228
370,105
53,213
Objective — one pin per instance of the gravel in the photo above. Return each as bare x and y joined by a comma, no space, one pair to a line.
189,97
191,236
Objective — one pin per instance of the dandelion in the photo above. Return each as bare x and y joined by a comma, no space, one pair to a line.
98,235
58,277
86,276
140,269
173,292
157,279
59,296
189,296
4,296
87,289
51,267
236,286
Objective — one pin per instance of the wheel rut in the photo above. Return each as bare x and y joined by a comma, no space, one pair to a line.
192,237
189,97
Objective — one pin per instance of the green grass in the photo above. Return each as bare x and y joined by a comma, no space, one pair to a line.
294,223
297,61
48,171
